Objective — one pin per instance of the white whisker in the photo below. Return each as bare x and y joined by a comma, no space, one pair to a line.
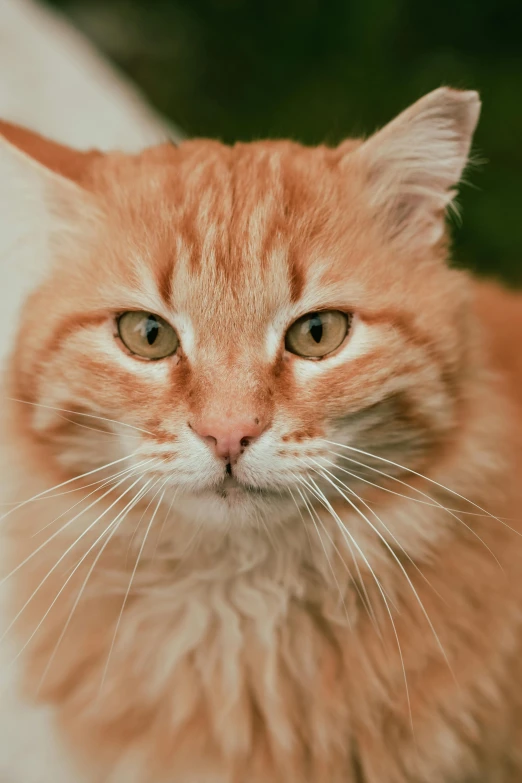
443,508
364,597
360,586
77,413
98,483
344,530
378,518
396,559
426,478
348,537
60,559
329,562
128,473
135,532
130,587
64,484
261,522
358,476
93,429
64,527
162,528
115,525
300,514
78,565
430,499
435,504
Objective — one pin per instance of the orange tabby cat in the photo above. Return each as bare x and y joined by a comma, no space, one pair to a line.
261,457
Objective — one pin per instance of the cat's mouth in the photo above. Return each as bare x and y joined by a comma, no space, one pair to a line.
230,487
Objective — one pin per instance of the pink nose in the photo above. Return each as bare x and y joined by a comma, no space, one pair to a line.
228,437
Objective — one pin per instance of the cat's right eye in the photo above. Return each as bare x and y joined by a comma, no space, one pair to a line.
147,335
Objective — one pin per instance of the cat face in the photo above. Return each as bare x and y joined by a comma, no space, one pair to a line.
245,325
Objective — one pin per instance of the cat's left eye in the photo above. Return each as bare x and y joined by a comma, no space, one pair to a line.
147,335
318,334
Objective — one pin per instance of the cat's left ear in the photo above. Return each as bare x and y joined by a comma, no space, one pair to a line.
412,166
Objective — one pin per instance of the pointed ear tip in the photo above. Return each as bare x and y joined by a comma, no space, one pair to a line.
468,98
462,105
471,103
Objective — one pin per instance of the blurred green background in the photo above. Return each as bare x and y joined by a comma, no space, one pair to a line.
320,70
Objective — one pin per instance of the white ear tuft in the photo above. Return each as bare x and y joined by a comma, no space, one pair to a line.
415,162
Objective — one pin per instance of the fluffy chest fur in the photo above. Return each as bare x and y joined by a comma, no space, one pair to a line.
242,657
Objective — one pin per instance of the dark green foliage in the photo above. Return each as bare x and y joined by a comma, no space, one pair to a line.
319,70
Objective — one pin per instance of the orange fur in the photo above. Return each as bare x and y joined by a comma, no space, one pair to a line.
258,642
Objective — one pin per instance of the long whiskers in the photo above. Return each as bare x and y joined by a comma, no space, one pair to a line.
426,478
128,473
377,517
296,504
309,508
94,429
98,483
359,584
137,527
68,524
436,505
345,532
162,528
394,556
114,525
131,580
109,532
361,478
430,499
70,481
61,558
77,413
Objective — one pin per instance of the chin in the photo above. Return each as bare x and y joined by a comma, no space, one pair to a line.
235,507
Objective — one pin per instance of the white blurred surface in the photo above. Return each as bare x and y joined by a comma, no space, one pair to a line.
54,81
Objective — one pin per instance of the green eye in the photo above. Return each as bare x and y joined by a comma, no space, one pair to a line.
147,335
317,334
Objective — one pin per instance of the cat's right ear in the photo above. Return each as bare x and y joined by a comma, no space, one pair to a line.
46,209
41,180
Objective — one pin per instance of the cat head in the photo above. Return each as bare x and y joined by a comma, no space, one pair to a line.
238,323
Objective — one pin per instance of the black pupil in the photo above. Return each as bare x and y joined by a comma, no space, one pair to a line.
316,328
152,330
